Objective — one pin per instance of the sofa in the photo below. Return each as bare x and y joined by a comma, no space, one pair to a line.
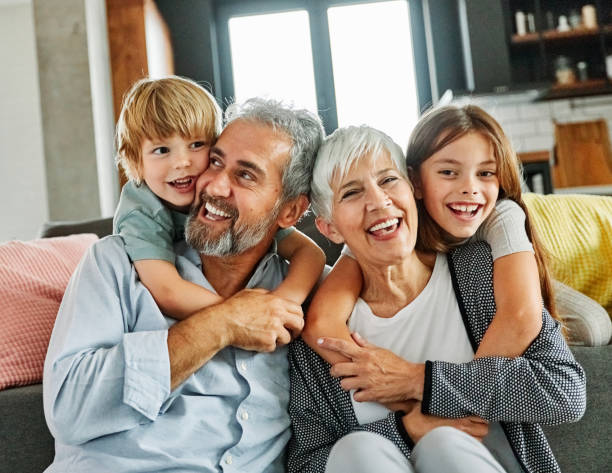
27,446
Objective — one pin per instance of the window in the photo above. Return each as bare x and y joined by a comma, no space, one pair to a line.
271,56
373,68
350,61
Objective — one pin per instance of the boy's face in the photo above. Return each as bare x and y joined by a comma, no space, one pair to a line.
171,166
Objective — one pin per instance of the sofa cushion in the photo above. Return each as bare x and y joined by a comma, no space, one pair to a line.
33,278
576,229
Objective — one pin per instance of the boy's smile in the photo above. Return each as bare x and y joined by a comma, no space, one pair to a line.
459,185
171,167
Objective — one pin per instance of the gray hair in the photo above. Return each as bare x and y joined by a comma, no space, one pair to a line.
339,152
303,127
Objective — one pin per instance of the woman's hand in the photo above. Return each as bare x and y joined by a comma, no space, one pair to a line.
418,424
375,373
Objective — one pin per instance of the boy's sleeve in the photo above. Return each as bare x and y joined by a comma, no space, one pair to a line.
504,230
145,224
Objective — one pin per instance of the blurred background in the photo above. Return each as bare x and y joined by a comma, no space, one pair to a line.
67,64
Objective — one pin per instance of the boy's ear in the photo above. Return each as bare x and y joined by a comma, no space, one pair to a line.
416,182
292,211
328,230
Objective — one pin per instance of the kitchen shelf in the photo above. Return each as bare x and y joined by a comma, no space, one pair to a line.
577,89
554,35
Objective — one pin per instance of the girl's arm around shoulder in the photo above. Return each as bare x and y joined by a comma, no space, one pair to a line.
306,260
332,306
516,281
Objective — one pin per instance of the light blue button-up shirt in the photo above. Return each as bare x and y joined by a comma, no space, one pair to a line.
107,391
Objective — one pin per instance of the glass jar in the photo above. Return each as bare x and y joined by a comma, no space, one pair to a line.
564,70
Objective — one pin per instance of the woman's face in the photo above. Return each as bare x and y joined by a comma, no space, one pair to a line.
373,212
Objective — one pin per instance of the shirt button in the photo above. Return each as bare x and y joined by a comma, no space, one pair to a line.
245,415
228,459
243,366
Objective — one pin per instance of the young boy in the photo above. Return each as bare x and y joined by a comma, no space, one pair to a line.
164,133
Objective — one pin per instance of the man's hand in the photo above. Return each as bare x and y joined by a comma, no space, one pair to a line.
260,321
252,319
377,374
418,424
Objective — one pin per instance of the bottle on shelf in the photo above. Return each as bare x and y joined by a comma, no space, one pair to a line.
521,27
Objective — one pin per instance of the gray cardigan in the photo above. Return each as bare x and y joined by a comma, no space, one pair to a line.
544,386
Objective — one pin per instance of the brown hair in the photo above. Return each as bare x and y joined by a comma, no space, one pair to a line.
160,108
440,127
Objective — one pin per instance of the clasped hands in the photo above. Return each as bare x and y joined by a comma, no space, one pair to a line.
379,375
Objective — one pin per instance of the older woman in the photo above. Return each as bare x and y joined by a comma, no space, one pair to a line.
415,306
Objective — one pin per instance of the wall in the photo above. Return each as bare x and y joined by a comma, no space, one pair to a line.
23,193
65,98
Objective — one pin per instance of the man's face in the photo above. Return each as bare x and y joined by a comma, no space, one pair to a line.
237,198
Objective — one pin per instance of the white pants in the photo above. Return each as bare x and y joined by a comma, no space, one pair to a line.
444,449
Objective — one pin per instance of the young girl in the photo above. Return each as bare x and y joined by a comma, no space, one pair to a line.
164,133
467,183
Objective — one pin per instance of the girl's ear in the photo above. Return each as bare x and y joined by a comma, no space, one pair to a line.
416,182
328,230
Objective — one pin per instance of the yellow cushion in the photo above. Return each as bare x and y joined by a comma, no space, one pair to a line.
576,230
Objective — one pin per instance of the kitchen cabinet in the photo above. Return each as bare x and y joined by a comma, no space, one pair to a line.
514,44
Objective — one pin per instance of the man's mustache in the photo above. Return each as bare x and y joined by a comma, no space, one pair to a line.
221,204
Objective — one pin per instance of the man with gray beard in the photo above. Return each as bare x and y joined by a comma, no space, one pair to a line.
127,389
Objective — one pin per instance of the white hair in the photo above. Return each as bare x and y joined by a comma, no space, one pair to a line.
339,151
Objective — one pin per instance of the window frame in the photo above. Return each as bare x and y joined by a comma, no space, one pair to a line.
320,44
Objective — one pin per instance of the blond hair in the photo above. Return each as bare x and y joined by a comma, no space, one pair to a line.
438,128
159,108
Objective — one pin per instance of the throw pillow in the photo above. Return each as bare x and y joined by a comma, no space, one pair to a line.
577,232
33,278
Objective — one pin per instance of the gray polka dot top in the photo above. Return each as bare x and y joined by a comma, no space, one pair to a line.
544,386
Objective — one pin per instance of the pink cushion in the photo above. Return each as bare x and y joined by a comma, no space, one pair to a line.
33,278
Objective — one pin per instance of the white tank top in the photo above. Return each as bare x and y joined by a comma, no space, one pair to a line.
433,315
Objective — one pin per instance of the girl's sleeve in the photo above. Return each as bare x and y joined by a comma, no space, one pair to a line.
545,385
504,230
322,413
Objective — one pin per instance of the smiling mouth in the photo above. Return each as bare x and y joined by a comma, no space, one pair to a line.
386,227
214,213
465,210
184,183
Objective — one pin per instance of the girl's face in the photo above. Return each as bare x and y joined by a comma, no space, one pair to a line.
459,184
171,166
374,212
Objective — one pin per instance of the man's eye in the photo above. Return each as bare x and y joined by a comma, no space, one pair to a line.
247,176
161,150
215,162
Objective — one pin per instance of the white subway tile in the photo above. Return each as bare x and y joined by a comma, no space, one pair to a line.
520,129
538,143
534,110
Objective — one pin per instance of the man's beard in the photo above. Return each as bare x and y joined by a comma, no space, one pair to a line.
236,239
